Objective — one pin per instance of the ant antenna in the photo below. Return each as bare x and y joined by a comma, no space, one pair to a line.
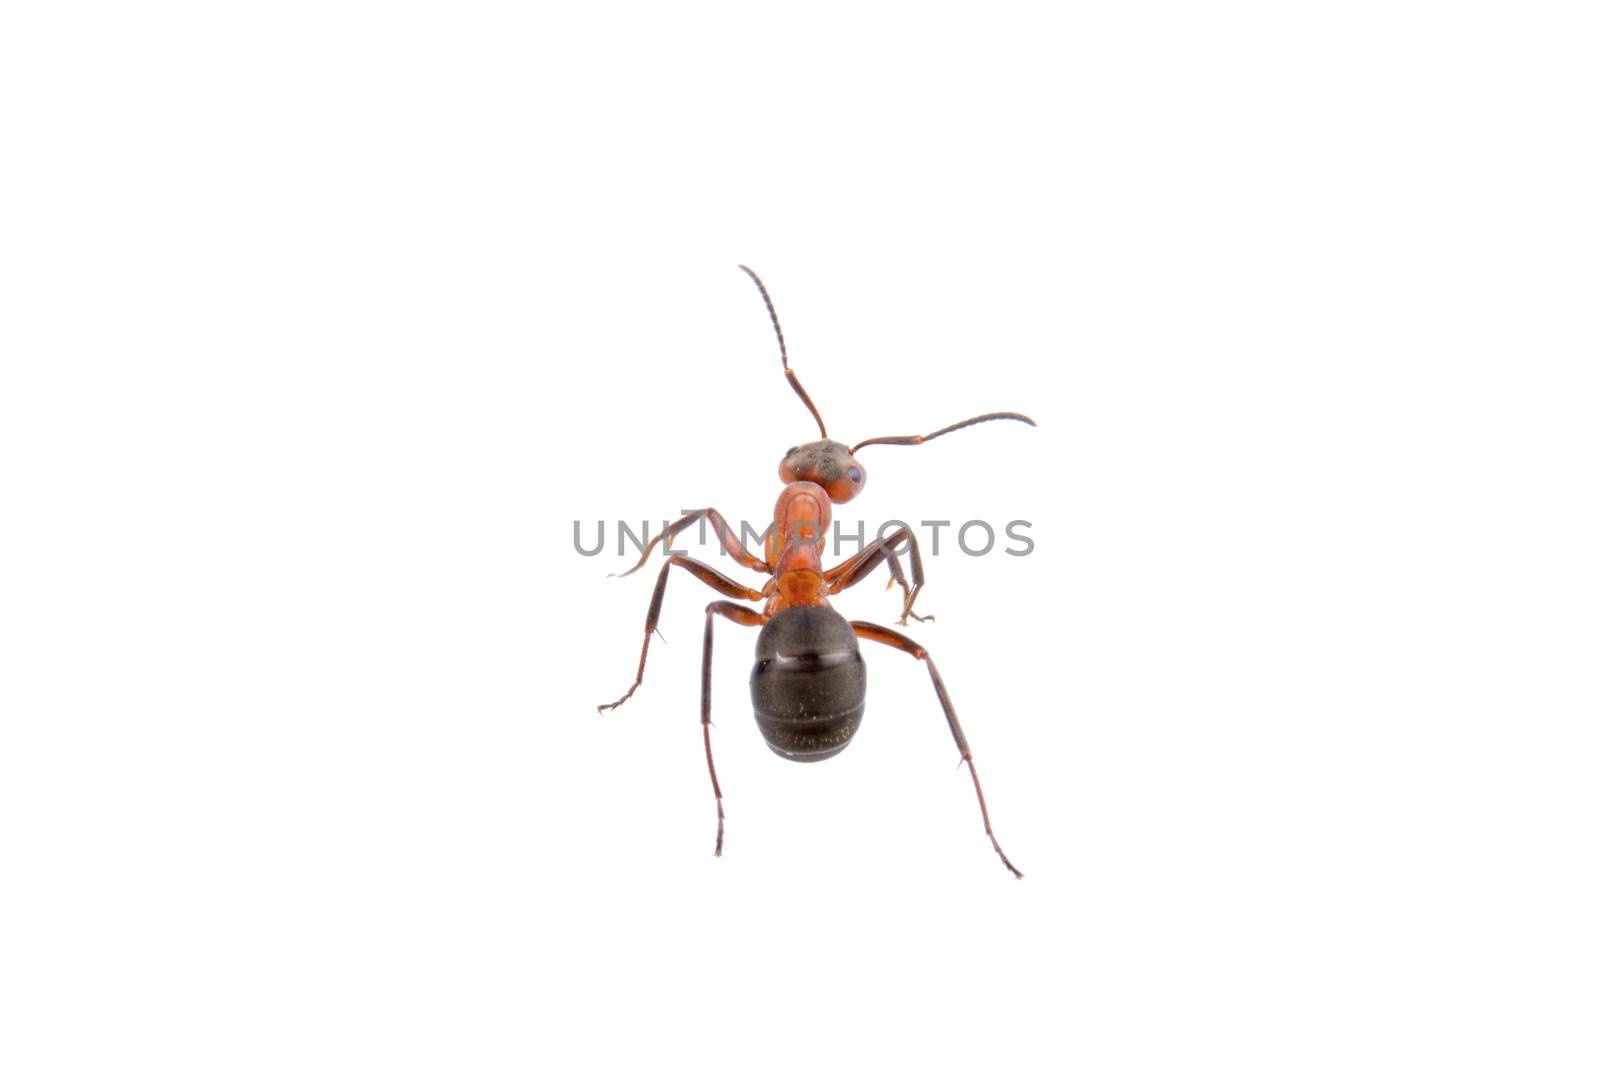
784,351
918,439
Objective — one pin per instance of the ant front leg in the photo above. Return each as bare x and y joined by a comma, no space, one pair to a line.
885,636
744,617
730,541
721,583
866,561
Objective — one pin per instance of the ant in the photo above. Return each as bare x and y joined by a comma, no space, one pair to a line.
809,684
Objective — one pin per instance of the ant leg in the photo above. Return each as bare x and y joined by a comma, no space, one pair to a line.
744,617
730,541
865,562
886,636
722,584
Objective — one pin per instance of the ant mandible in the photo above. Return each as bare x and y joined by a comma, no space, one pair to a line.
809,684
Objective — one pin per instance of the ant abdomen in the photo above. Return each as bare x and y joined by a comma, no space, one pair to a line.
809,684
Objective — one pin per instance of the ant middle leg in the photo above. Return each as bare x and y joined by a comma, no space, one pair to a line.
883,550
721,583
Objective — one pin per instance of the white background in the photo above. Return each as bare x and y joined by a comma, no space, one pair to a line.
322,323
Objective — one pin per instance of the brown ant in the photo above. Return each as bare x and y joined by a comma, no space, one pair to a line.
809,685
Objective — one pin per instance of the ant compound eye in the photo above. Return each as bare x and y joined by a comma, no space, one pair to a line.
791,451
854,474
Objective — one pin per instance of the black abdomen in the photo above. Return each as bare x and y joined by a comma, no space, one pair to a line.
809,685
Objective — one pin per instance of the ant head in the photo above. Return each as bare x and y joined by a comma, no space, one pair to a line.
828,464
